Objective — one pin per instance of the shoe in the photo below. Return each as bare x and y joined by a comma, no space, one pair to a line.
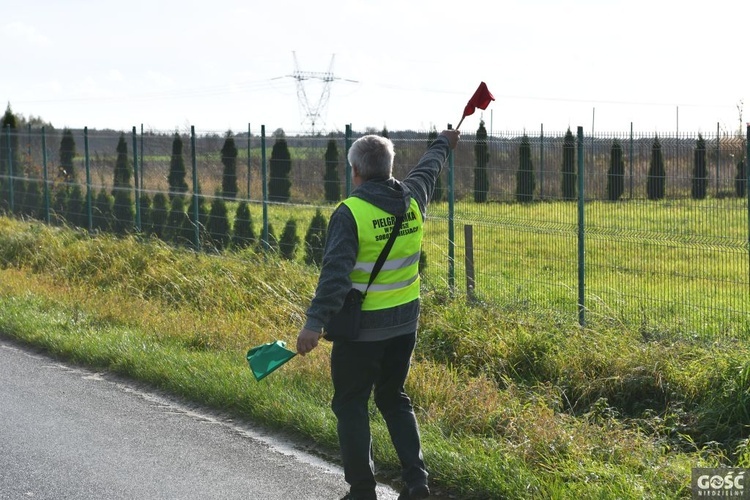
415,493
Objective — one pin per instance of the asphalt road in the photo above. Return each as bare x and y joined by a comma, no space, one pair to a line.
69,433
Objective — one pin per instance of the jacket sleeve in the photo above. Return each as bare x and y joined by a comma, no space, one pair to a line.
422,178
339,257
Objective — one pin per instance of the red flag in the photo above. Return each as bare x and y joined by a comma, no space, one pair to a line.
481,99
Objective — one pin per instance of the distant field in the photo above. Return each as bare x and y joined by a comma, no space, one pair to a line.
662,265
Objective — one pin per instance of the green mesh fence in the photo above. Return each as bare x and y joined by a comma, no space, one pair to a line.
666,217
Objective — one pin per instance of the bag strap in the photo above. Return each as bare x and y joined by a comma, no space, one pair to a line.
384,253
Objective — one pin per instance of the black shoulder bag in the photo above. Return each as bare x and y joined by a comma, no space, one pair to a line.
345,324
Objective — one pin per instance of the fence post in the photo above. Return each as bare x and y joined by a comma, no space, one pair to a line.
631,160
136,179
541,163
89,194
469,261
11,178
347,145
677,146
249,163
143,165
46,177
747,194
264,179
451,226
718,147
29,161
196,211
581,232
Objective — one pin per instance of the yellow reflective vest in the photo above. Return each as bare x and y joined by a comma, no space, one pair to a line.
398,280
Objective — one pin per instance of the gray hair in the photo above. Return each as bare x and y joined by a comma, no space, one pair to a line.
373,156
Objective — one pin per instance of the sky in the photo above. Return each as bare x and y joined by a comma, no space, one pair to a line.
219,65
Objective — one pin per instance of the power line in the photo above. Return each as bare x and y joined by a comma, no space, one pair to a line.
185,93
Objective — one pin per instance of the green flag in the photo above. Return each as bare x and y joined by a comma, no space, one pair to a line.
264,359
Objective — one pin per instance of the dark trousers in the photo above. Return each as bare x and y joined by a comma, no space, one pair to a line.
357,368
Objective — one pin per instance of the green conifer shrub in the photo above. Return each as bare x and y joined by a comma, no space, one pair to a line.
525,181
568,167
243,235
315,239
289,240
616,172
482,157
699,186
655,182
331,183
218,224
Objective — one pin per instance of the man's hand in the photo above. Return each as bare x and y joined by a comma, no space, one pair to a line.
307,340
452,136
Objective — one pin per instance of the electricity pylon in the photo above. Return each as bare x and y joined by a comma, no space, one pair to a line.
314,111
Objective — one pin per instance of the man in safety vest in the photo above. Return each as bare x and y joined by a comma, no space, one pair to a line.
380,357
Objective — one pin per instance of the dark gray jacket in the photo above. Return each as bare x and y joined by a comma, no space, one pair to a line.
342,245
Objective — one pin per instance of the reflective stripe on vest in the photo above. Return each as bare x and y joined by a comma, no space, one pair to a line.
398,280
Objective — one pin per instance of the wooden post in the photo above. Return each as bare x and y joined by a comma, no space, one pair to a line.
469,242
